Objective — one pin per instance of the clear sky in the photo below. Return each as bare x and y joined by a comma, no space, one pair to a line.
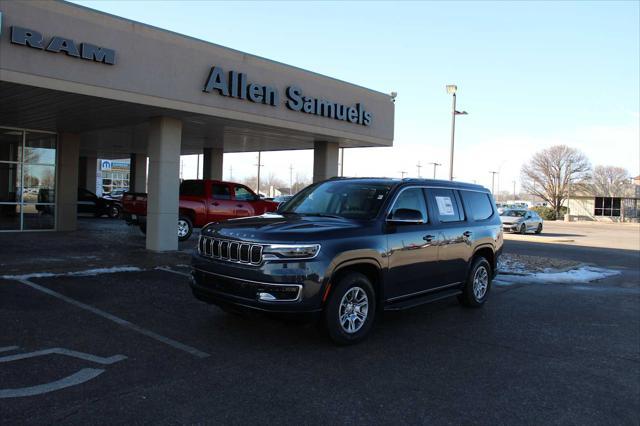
530,74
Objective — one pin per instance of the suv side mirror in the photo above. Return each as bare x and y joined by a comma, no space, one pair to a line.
406,216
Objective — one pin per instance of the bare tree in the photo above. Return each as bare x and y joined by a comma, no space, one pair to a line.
609,181
550,172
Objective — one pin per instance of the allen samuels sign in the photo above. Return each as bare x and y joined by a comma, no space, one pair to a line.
236,85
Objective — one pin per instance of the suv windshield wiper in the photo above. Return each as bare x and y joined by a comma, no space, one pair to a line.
322,215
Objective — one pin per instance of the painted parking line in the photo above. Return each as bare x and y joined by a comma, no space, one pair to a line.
167,269
67,352
77,378
167,341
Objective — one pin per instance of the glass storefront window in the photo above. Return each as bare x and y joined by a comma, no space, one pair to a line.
27,182
40,148
10,145
9,217
38,216
9,182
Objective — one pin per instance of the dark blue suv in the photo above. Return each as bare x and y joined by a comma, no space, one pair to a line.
347,248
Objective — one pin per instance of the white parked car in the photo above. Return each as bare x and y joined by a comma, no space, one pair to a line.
521,220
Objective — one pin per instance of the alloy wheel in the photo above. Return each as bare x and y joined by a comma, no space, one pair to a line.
480,283
354,308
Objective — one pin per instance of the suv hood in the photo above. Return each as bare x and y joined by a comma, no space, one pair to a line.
272,227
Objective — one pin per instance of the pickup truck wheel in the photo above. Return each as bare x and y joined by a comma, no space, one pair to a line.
476,289
185,228
114,212
351,309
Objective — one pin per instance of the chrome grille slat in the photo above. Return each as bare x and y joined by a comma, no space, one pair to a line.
230,251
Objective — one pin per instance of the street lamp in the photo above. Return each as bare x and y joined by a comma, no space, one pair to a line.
451,89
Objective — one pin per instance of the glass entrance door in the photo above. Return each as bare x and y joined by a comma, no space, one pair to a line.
27,180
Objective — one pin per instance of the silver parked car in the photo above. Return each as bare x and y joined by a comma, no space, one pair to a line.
521,220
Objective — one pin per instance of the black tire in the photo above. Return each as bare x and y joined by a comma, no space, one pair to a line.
143,228
114,211
469,297
539,228
185,222
353,283
523,229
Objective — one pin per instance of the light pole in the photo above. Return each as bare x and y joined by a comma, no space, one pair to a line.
402,173
493,176
514,190
434,168
451,89
419,167
341,162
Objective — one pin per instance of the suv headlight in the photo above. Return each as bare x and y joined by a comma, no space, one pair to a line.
292,251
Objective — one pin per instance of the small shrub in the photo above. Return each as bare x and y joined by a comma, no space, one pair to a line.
546,213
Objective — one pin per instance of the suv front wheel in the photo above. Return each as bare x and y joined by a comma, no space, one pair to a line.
476,289
351,309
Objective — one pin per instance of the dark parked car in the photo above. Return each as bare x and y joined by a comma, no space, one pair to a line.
90,203
345,249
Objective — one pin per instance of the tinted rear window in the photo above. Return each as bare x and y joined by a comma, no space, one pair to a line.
192,188
479,203
446,205
220,191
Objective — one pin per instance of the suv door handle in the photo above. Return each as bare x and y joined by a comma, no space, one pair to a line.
239,205
467,233
215,203
428,238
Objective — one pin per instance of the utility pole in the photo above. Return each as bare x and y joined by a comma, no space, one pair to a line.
567,217
290,179
419,167
434,168
259,166
493,176
451,89
514,190
402,173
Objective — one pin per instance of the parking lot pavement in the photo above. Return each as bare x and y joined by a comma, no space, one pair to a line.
134,347
621,236
534,354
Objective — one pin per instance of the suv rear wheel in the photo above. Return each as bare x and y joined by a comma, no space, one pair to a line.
476,289
351,309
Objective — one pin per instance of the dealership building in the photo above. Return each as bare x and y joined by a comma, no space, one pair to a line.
77,85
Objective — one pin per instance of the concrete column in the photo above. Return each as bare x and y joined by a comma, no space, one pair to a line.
90,173
325,160
165,135
138,173
67,183
212,163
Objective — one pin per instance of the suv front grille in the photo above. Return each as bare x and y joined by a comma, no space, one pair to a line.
230,251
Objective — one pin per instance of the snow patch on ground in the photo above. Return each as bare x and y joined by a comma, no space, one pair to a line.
85,273
573,276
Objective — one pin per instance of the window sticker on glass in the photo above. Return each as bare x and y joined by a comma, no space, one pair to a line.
445,206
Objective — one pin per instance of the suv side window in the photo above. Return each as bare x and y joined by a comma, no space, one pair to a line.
220,191
446,205
479,203
244,194
411,198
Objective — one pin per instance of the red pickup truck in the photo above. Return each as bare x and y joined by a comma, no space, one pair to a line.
201,202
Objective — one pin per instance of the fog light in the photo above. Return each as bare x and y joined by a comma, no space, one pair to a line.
266,296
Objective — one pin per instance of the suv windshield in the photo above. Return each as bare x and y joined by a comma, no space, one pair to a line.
514,213
342,198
